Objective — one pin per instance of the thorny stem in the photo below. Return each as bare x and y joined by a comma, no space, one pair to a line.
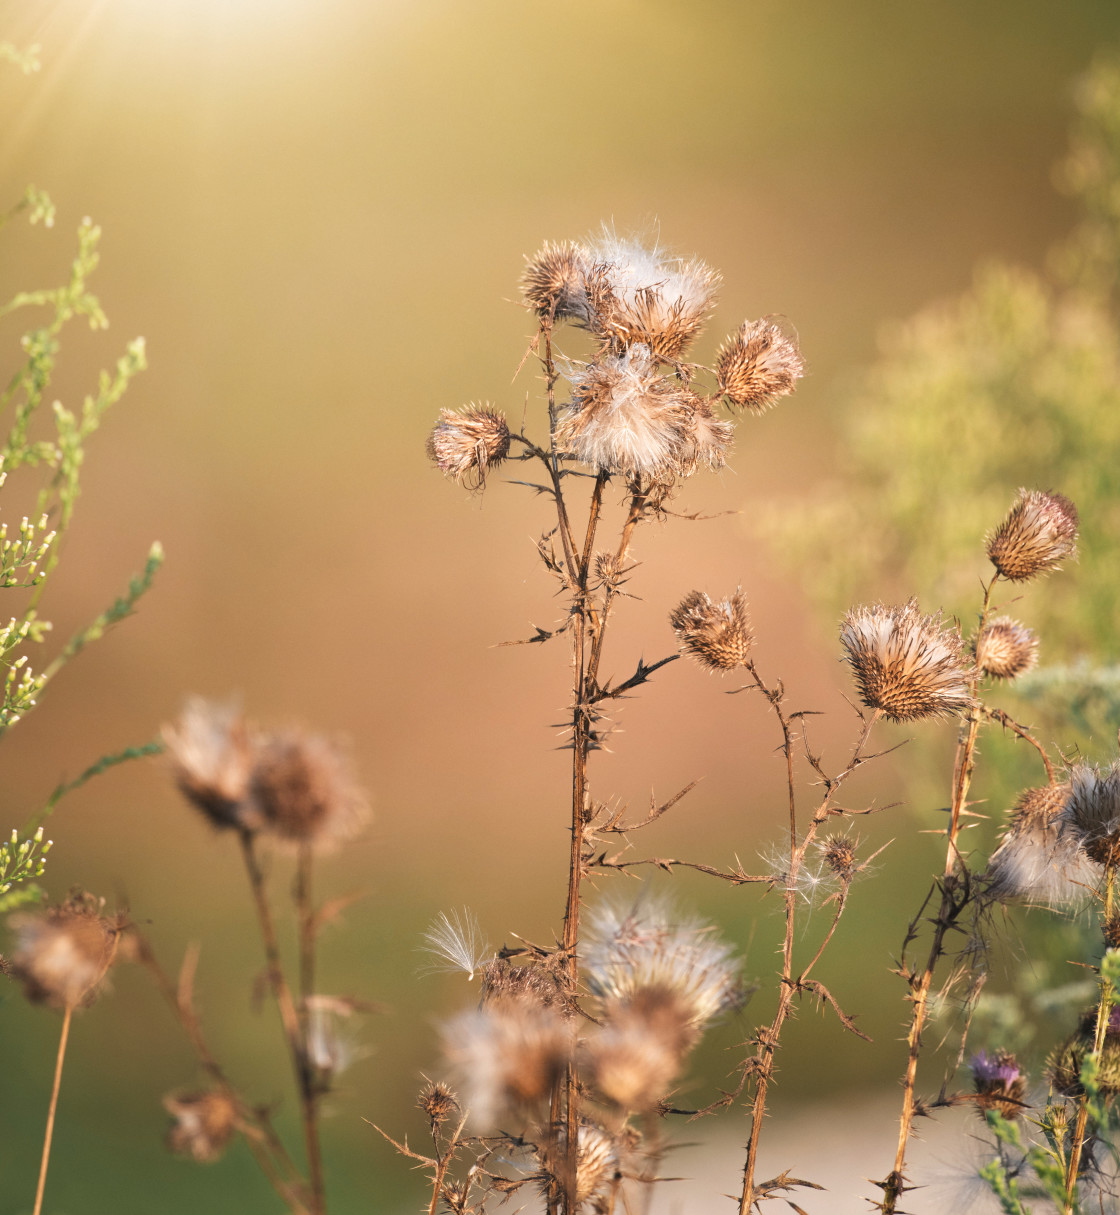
301,896
1104,1009
761,1065
49,1133
921,983
290,1020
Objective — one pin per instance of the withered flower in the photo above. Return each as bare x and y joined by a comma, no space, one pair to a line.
1091,814
1036,861
906,665
839,853
211,753
63,955
204,1124
635,1058
999,1082
1064,1065
597,1169
1040,531
438,1102
1006,649
717,634
707,438
555,282
758,365
469,443
305,792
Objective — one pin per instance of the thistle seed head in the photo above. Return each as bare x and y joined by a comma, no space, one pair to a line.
332,1044
597,1169
204,1124
305,791
635,1058
555,282
1064,1065
905,664
63,955
1040,531
999,1082
758,365
438,1102
211,752
1006,649
501,980
708,439
839,853
466,445
717,634
1036,861
1091,814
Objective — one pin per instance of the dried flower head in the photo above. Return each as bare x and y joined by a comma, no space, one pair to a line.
1036,861
839,854
467,444
597,1170
625,417
305,791
507,1055
758,365
555,282
717,634
635,1058
332,1044
634,948
906,665
456,943
1091,814
999,1082
204,1124
1064,1065
644,296
63,955
502,980
211,752
1040,531
1006,649
708,439
438,1102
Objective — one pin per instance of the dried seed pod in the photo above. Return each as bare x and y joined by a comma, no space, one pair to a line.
212,755
204,1124
905,664
758,365
1040,531
1006,649
717,634
469,443
63,955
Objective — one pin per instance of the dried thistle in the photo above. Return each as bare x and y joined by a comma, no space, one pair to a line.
1006,649
597,1170
555,282
758,365
635,1058
1040,531
1036,861
708,438
212,756
839,854
1091,814
204,1124
999,1082
717,634
467,444
438,1102
905,664
1064,1065
502,980
63,955
305,791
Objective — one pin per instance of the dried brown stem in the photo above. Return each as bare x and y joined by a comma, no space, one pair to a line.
1009,724
48,1134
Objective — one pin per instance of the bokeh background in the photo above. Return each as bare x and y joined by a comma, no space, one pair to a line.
316,215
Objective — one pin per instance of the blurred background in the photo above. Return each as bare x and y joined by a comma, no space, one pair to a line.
316,215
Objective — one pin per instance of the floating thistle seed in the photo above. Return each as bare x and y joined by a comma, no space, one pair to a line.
1040,531
212,755
1036,860
508,1055
717,634
1006,649
633,949
466,445
204,1124
1091,815
635,1058
624,417
555,282
1064,1065
758,365
63,955
638,295
905,664
999,1082
305,792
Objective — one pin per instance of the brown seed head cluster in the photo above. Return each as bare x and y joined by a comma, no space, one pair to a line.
717,634
1091,814
905,664
1036,861
63,955
204,1124
469,443
1040,531
1006,649
758,365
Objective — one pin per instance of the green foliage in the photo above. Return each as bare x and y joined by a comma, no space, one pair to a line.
20,861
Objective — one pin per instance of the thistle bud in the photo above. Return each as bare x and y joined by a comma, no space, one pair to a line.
1006,649
905,664
717,634
63,955
758,365
204,1124
1064,1065
1040,531
466,445
1091,814
999,1082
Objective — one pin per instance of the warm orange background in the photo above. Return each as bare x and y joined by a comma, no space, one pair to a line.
316,214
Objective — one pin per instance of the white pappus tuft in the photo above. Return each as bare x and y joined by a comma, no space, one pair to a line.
456,943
